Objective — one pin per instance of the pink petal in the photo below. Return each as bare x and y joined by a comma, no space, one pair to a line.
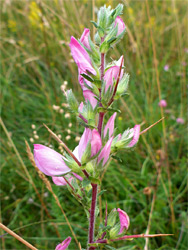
59,181
49,161
81,57
64,244
121,25
96,142
88,95
110,125
84,141
105,152
85,38
113,73
124,220
135,136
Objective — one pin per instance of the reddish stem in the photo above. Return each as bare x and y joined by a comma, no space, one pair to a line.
94,186
92,214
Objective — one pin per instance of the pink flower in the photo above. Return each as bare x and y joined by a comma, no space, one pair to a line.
60,181
166,67
110,125
88,95
121,25
85,38
92,137
162,103
49,161
180,120
64,244
136,136
124,220
112,74
81,57
105,152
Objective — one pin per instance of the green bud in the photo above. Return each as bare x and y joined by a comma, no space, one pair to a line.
122,86
102,17
112,218
71,99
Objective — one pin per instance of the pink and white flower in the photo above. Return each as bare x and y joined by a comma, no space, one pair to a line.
112,74
49,161
110,125
124,220
64,244
121,25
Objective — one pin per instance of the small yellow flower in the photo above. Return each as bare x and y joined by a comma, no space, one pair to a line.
12,25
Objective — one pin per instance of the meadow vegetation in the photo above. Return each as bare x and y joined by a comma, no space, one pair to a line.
149,182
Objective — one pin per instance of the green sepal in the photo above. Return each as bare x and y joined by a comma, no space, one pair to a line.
86,155
72,101
114,231
112,217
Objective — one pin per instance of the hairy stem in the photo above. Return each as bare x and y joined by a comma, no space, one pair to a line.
94,186
92,214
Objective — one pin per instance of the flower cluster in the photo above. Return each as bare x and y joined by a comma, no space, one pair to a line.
101,85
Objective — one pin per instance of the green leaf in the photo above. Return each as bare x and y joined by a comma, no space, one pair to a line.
95,24
110,247
101,192
87,77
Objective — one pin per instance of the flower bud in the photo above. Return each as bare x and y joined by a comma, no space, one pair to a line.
135,136
122,86
89,145
49,161
112,74
110,125
121,26
64,244
105,152
124,220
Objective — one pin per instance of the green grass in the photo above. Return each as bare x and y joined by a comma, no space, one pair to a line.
35,61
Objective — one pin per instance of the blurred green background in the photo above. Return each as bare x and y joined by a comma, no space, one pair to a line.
149,183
